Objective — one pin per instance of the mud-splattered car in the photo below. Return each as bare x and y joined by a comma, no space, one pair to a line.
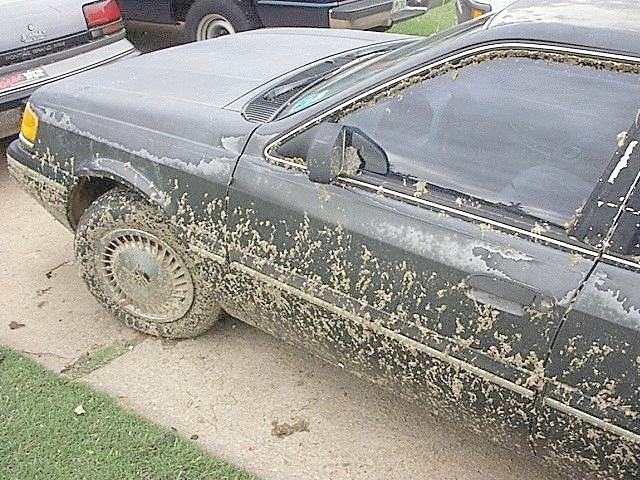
454,217
45,41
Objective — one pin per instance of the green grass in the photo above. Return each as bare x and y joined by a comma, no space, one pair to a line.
435,20
45,435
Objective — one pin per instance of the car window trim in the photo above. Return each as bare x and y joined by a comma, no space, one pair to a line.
535,46
379,189
540,47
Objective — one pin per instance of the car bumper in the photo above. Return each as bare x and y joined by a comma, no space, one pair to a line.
407,13
367,14
12,98
49,184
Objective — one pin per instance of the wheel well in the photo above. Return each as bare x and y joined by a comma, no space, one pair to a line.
85,193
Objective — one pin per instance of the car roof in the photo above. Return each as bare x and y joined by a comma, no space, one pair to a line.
610,25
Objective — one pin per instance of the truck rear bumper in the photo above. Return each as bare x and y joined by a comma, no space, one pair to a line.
361,14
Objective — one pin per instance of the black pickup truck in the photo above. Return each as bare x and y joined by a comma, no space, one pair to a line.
211,18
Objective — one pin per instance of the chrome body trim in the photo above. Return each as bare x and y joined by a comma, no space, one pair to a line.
377,328
596,422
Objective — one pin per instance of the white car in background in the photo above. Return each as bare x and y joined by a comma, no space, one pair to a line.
468,9
44,41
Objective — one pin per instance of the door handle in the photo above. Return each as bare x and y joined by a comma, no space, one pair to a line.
507,295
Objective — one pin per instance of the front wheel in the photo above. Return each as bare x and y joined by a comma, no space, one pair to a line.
133,263
213,18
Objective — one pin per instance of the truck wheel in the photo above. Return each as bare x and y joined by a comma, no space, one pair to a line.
214,18
131,260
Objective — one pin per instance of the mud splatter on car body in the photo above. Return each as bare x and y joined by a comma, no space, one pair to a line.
524,329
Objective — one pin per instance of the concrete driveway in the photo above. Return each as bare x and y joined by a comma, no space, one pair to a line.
235,391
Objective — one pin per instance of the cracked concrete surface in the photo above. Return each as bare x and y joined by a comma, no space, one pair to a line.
229,386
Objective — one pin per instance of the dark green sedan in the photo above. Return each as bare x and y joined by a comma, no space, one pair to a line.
456,217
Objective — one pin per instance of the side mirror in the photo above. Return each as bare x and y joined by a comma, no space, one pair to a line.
325,155
334,149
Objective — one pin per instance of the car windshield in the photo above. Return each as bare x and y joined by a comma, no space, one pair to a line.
360,71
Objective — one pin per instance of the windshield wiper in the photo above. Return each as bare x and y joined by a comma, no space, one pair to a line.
271,95
316,78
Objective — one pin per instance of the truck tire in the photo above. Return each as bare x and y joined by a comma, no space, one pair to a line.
214,18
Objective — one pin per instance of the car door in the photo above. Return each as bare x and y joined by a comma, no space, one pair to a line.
591,407
446,275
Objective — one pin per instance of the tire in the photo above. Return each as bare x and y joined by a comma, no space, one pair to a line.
132,261
213,18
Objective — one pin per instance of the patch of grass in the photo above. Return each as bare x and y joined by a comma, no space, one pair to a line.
433,21
97,358
55,428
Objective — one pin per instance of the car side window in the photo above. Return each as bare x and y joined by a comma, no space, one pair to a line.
531,133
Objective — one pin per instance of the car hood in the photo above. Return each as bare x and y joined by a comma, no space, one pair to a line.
181,92
26,23
211,73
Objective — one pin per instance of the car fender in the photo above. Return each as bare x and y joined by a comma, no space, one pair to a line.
123,173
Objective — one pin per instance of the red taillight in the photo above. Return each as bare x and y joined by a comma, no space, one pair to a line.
101,13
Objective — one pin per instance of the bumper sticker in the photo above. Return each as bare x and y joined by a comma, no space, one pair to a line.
18,78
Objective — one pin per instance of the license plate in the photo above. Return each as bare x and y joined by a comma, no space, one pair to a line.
398,5
17,78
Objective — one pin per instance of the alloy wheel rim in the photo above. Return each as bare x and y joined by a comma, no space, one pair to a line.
146,276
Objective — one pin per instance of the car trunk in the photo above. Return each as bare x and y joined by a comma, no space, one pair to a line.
26,23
